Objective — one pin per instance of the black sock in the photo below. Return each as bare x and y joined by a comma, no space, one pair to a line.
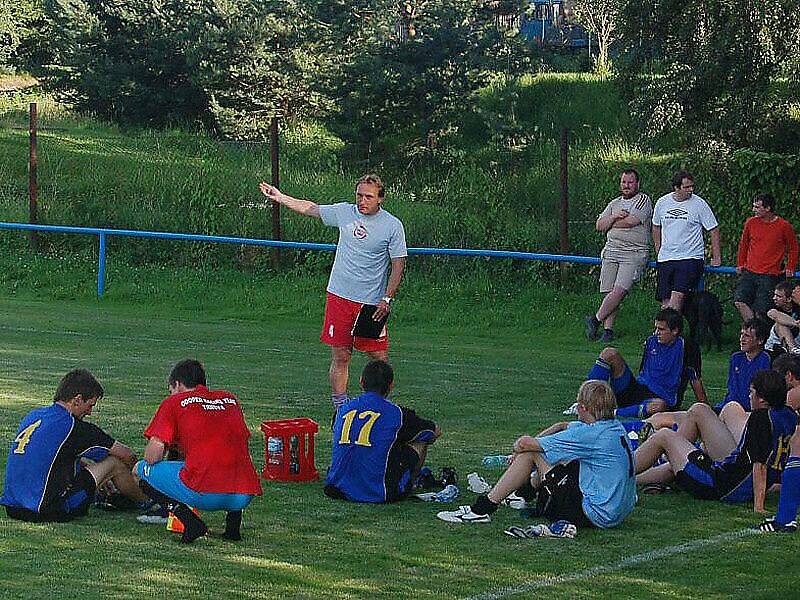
527,492
193,526
233,523
483,506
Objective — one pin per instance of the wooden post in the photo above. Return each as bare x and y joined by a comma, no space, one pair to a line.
276,208
33,238
564,202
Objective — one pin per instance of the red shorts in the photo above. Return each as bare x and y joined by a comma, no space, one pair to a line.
340,317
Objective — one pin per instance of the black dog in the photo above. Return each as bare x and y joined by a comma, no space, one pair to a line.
703,312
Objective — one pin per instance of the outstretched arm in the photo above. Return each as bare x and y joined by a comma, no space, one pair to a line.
303,207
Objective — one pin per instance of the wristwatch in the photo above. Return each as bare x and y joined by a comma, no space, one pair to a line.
387,299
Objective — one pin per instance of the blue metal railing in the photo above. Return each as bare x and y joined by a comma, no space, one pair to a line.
102,233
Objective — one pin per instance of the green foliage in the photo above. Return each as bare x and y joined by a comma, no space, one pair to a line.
719,60
18,20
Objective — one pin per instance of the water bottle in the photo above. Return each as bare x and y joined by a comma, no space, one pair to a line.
275,450
496,461
294,455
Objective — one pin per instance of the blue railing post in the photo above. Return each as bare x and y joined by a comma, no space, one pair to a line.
101,265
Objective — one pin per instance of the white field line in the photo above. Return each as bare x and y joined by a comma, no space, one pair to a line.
622,564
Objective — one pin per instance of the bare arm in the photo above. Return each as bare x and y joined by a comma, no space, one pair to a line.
122,452
759,486
395,277
154,450
628,222
303,207
781,318
657,238
527,444
716,248
699,390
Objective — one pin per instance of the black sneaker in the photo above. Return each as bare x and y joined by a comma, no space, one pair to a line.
592,327
770,526
608,336
155,515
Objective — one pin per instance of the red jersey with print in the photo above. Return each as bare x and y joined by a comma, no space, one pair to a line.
208,427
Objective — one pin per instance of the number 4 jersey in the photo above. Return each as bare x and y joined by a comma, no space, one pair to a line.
370,438
43,458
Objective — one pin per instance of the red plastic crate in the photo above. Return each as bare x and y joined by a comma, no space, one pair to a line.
291,459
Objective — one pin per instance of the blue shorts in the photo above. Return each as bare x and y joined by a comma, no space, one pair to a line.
164,476
678,276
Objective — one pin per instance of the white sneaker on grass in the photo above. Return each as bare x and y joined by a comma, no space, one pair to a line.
477,484
464,514
572,410
514,501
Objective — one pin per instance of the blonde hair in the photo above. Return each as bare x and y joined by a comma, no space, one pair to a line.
598,398
373,179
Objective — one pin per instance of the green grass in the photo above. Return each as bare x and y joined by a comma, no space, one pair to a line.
484,382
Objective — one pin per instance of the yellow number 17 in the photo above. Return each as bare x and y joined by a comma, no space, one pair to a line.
24,437
363,436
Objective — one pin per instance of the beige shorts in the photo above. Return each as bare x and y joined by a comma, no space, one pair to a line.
621,272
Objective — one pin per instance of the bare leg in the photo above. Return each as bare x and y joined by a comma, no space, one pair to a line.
734,416
339,372
608,322
744,311
113,468
614,359
701,422
610,305
676,447
518,472
667,419
787,339
675,301
660,474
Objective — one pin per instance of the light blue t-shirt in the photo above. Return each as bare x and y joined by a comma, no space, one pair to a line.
367,243
607,475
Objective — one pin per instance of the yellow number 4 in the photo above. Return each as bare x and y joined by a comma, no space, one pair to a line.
363,435
24,437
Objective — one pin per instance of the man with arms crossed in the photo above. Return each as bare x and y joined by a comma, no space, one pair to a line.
49,476
626,223
785,334
369,240
767,252
207,427
678,222
583,469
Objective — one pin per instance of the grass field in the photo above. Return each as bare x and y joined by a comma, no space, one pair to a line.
484,384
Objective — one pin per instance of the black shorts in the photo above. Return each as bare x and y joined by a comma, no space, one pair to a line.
400,473
678,276
634,394
560,496
699,477
755,290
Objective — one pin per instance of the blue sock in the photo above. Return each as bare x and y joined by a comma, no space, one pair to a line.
601,370
789,501
634,411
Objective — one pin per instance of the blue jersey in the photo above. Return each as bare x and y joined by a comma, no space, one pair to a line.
369,436
765,440
44,457
607,477
740,373
666,369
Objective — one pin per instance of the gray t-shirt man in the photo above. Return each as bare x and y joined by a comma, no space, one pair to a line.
621,241
367,244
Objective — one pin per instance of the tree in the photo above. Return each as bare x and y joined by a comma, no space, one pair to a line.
601,18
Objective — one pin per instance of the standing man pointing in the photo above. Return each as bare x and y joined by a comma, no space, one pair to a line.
369,240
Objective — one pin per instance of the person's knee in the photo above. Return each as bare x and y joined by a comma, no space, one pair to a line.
699,409
340,357
610,355
731,410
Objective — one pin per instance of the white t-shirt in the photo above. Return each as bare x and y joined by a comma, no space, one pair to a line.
366,245
682,225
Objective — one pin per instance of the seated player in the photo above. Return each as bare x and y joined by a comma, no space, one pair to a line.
584,469
785,334
58,460
743,452
378,447
207,427
669,363
750,359
788,365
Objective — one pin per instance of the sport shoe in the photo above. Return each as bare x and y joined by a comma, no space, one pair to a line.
464,514
770,526
645,432
514,501
477,484
558,529
154,516
795,350
572,410
608,336
592,327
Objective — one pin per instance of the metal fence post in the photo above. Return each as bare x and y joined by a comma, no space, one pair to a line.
101,266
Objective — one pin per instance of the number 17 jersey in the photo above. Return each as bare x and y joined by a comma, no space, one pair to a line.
369,435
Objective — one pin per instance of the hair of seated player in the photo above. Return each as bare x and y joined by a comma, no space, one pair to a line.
377,377
598,398
770,386
78,382
759,327
785,287
189,372
787,363
671,317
